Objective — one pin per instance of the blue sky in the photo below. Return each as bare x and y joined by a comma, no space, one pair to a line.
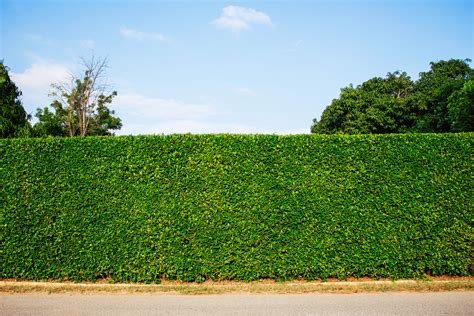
227,66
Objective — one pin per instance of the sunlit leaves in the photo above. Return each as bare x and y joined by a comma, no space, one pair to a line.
244,207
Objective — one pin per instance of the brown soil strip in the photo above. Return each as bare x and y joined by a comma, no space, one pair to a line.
230,287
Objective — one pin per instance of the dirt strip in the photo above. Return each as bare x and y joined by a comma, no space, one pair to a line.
228,287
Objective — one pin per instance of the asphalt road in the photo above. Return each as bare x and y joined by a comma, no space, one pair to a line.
445,303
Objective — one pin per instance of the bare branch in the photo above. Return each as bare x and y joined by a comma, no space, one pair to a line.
81,94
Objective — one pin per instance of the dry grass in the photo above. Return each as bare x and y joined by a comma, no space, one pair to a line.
229,287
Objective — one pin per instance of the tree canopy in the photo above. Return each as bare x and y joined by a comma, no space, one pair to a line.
441,100
80,107
13,117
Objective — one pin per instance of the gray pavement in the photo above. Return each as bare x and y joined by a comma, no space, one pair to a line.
444,303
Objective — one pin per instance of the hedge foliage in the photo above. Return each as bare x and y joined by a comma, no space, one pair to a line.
245,207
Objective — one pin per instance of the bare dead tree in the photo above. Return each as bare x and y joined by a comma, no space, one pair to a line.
80,95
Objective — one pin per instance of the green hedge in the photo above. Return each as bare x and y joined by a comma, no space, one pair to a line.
245,207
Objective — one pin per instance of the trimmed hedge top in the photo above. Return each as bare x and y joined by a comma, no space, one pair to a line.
246,207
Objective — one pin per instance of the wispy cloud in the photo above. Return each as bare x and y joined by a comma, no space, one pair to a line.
35,82
144,115
141,36
151,108
236,19
294,47
245,92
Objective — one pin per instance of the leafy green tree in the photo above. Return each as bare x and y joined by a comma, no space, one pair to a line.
461,108
81,107
376,106
435,89
441,100
55,123
51,123
104,121
13,117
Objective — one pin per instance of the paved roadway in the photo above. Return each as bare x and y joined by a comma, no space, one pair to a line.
444,303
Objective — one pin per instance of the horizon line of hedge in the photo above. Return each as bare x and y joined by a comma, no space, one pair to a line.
236,207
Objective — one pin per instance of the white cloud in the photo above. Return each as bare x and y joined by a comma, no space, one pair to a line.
35,82
245,92
141,36
143,115
237,18
149,108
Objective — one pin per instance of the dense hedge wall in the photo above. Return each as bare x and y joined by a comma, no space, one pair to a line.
236,207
